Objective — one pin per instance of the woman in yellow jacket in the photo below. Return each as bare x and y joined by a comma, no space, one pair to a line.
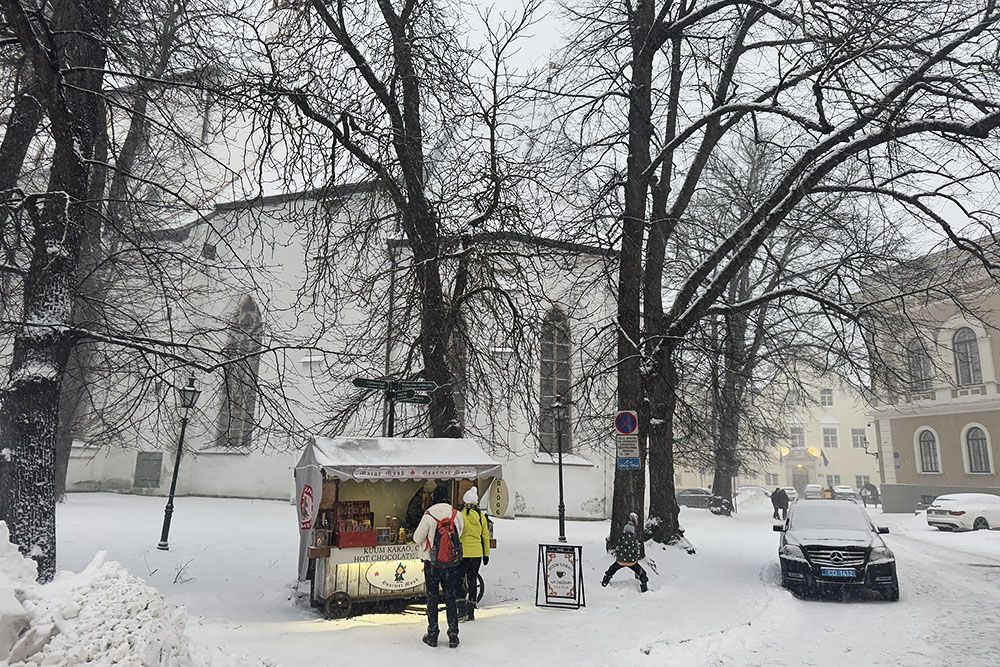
475,546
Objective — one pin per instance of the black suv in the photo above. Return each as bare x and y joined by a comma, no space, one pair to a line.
827,544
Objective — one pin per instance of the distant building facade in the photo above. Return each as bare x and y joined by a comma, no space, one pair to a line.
938,412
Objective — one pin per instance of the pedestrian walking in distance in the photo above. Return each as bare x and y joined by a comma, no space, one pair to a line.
779,500
627,555
438,539
475,547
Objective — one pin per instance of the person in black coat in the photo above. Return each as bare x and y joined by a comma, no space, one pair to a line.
627,555
779,500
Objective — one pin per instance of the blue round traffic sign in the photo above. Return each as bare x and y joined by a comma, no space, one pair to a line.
626,422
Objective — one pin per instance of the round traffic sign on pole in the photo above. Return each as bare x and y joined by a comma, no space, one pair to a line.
626,422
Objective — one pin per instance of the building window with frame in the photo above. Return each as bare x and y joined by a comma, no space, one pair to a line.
556,377
927,444
858,438
771,479
831,437
833,480
977,448
826,398
918,365
861,480
239,384
968,370
797,435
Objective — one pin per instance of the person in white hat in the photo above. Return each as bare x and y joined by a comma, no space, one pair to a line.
475,546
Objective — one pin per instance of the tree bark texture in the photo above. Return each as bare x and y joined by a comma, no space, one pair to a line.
630,485
29,403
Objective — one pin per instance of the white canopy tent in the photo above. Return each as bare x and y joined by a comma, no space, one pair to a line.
361,459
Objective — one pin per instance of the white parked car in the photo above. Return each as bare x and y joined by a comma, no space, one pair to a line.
965,511
844,492
793,495
812,492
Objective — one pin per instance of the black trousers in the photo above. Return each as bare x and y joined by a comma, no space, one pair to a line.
784,512
441,581
635,567
470,572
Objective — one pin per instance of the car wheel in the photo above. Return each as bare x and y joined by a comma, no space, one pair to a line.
981,524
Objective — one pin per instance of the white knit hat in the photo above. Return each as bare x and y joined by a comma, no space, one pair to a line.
471,496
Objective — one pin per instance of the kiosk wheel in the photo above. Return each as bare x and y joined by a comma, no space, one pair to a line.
480,588
337,605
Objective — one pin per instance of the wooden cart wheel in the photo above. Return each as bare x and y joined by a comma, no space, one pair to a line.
337,605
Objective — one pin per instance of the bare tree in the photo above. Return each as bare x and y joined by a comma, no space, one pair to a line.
862,98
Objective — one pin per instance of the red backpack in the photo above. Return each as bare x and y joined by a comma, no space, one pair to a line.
446,550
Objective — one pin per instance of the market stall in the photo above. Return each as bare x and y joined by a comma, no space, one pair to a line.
359,500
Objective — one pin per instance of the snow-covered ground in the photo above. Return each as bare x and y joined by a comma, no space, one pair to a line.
232,563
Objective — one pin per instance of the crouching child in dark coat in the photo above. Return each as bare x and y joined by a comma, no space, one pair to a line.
627,555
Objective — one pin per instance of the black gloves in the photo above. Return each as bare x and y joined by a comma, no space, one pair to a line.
486,560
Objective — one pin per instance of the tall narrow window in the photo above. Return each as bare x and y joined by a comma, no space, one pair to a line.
797,434
826,398
928,452
918,365
978,450
239,386
967,367
831,437
556,349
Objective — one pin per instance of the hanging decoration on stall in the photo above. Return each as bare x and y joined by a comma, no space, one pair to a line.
559,580
306,507
397,575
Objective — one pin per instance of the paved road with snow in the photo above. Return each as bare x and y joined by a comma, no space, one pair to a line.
231,563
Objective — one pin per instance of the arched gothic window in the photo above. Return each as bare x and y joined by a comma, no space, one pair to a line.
239,387
978,450
928,452
556,378
968,370
919,366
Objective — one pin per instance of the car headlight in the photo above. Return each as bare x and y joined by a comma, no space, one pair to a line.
881,555
792,551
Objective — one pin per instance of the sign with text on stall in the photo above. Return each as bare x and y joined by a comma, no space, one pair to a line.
627,440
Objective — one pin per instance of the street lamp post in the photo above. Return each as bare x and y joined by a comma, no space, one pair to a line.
559,410
189,396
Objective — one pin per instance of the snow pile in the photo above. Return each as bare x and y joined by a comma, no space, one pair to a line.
102,616
16,571
750,498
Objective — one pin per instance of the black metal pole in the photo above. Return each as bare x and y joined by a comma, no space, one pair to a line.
562,504
169,510
390,400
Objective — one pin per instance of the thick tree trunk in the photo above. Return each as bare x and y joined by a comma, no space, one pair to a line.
22,125
663,509
422,226
629,485
29,403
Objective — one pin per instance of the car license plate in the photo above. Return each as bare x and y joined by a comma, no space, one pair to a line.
838,572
